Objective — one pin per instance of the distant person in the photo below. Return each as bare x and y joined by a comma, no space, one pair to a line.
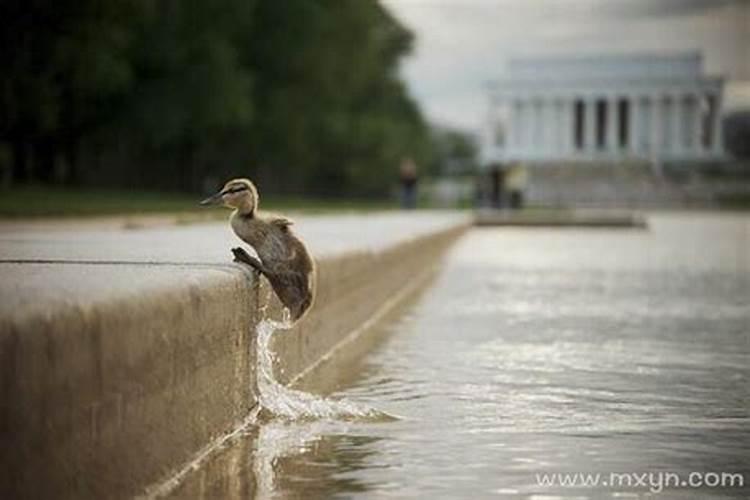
497,186
517,180
480,192
408,179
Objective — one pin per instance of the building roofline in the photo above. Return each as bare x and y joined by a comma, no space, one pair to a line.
607,56
498,83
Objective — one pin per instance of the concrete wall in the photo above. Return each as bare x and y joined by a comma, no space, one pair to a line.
98,400
103,398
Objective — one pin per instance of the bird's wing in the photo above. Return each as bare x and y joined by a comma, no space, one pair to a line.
281,222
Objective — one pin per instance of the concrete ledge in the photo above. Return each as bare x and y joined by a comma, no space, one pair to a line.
118,362
561,218
98,398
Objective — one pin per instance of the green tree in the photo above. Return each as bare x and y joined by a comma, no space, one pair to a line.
303,95
455,151
335,116
59,61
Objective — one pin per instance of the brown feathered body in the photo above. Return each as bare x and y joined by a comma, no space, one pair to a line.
287,262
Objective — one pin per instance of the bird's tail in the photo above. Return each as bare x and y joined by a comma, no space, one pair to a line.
304,305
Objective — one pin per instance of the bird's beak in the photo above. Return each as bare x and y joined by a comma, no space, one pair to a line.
213,200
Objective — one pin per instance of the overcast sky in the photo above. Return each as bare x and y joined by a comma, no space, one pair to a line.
462,44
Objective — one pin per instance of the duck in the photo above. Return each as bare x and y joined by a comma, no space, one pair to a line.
282,257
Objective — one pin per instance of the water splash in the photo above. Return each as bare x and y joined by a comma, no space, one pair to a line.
281,439
290,404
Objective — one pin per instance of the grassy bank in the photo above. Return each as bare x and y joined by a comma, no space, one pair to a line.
40,201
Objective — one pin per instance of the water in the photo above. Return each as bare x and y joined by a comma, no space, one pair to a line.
542,351
280,402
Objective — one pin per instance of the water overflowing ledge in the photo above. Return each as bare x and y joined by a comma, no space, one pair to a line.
281,401
116,377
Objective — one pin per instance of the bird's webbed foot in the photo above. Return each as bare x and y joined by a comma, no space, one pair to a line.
240,255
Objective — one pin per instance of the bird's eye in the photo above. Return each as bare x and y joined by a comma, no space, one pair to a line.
233,190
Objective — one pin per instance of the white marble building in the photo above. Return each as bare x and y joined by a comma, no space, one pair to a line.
604,109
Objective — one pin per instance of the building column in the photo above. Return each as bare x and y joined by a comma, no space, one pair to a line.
656,123
528,123
512,127
513,122
656,150
556,127
568,123
520,124
696,123
675,124
589,125
523,107
559,127
531,126
570,142
634,123
543,130
537,136
613,124
717,137
538,125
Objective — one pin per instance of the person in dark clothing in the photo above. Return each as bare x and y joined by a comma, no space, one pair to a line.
497,186
408,179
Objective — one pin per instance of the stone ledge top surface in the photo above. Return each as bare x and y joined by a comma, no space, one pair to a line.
45,267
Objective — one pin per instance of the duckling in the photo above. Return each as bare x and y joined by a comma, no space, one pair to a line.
284,259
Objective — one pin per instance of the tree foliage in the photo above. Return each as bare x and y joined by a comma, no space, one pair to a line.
303,95
455,151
